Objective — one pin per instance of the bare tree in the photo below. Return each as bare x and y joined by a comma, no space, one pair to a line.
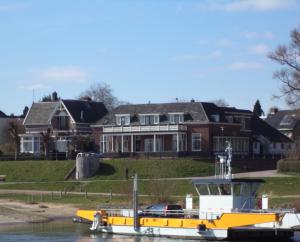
101,92
220,102
15,128
289,57
46,139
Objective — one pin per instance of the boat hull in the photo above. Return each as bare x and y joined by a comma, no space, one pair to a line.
184,233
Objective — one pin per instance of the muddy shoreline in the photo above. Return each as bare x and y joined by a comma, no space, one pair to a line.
13,212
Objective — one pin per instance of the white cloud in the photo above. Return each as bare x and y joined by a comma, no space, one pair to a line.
240,65
35,86
216,54
62,74
258,5
187,57
269,35
224,42
258,35
260,49
11,7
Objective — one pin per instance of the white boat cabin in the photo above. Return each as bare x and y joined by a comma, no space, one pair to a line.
217,196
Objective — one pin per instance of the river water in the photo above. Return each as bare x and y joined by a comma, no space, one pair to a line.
66,231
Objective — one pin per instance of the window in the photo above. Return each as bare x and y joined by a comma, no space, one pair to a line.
196,142
104,144
240,145
149,119
274,146
123,119
215,118
62,122
176,118
30,145
282,146
149,145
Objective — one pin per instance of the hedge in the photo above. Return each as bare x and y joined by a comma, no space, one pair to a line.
288,166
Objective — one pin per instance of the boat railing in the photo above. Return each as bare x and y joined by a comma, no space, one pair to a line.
270,210
127,212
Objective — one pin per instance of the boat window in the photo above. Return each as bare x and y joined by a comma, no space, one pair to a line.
237,189
213,189
246,189
202,189
254,188
225,189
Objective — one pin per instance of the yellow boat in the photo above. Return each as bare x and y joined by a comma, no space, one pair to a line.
227,210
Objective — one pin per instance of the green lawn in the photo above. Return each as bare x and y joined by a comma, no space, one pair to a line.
280,186
187,167
44,170
35,170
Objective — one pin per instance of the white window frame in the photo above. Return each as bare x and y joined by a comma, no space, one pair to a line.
173,120
193,140
125,117
150,115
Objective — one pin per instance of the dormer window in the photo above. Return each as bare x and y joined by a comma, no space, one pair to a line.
123,119
149,119
176,118
215,118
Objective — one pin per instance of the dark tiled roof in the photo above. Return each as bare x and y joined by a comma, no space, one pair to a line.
260,127
284,119
235,110
212,109
2,115
88,110
193,111
40,113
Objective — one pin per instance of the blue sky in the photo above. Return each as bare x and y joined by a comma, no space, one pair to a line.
151,50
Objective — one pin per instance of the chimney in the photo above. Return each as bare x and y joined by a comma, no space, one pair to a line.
273,111
192,100
54,96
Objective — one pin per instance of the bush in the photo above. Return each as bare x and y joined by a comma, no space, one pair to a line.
288,166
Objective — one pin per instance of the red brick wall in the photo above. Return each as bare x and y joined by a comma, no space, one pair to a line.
96,133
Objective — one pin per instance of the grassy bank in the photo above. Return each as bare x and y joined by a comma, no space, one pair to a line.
35,170
43,170
181,167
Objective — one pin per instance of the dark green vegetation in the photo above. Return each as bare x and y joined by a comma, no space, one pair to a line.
288,166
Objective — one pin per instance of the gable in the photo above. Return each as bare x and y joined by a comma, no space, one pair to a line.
41,113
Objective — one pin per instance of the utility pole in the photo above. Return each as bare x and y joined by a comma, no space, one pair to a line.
135,203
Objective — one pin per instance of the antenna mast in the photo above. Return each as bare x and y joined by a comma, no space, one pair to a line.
223,166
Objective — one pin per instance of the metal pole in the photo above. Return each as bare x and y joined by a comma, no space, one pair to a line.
135,203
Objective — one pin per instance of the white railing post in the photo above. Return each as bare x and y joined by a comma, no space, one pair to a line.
154,141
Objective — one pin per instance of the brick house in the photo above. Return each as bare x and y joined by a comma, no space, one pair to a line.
183,128
66,120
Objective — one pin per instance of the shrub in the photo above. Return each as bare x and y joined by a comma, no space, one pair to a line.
288,166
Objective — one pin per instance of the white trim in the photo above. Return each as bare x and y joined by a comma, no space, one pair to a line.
125,114
73,121
177,113
52,114
148,114
23,123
